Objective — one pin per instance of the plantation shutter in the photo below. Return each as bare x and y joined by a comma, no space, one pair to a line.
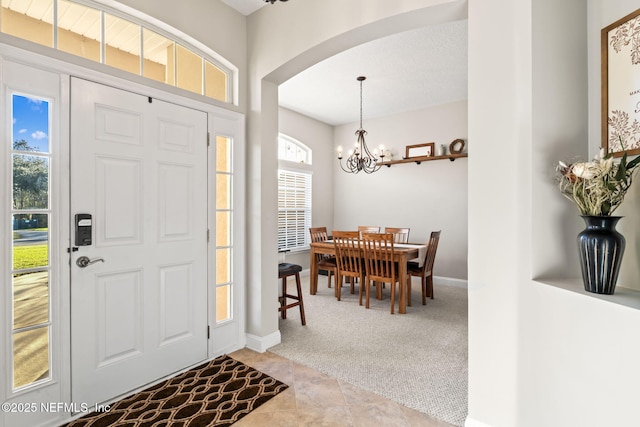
294,209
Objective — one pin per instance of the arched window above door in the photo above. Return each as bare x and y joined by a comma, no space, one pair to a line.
293,150
103,34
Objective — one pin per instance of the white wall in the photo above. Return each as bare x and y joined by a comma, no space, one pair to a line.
319,137
426,197
539,355
499,183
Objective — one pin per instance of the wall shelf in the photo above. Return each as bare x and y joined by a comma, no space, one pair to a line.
418,160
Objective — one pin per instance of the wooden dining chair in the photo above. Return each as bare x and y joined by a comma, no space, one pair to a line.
349,259
425,272
379,264
367,229
400,235
325,262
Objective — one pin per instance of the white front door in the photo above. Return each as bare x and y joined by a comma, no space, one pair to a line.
139,309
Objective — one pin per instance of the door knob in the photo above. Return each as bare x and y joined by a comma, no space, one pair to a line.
84,261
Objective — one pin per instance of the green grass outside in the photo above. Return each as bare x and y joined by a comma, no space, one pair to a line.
30,256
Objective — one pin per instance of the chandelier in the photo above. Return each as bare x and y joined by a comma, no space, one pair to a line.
360,158
272,1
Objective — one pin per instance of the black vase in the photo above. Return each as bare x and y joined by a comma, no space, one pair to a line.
601,248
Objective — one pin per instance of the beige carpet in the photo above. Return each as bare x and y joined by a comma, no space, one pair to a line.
418,359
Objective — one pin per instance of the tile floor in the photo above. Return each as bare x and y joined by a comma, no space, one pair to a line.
314,399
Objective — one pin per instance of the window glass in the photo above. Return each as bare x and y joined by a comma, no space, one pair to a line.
223,266
28,20
30,299
223,191
30,124
188,70
158,57
30,241
30,356
215,82
293,150
30,182
122,44
223,303
223,154
79,30
223,228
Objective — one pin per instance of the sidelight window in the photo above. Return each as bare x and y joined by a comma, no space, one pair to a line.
223,234
30,228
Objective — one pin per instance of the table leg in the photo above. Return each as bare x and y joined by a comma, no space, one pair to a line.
313,280
403,286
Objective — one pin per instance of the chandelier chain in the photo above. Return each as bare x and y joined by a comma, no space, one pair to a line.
360,104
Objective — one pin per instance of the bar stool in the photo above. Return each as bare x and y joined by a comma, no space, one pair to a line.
285,270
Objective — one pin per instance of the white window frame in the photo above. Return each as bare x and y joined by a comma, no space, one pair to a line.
300,181
284,140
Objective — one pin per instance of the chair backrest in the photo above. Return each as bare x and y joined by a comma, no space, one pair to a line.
400,235
378,256
318,234
367,229
348,252
432,246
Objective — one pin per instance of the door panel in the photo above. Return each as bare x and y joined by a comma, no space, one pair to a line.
176,195
119,319
176,302
139,167
119,193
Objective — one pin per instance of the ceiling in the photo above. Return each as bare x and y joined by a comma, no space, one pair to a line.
246,7
405,72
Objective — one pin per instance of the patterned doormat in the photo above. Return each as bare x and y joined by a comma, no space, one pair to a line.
217,393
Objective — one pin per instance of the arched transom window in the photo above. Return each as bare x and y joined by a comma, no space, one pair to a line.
99,33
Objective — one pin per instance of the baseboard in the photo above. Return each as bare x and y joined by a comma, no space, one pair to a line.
262,344
449,281
470,422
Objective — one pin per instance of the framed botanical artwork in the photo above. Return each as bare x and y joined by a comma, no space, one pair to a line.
620,51
420,150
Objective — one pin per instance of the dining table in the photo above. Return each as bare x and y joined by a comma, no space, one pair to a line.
403,252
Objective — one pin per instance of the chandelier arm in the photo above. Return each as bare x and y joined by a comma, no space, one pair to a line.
351,164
